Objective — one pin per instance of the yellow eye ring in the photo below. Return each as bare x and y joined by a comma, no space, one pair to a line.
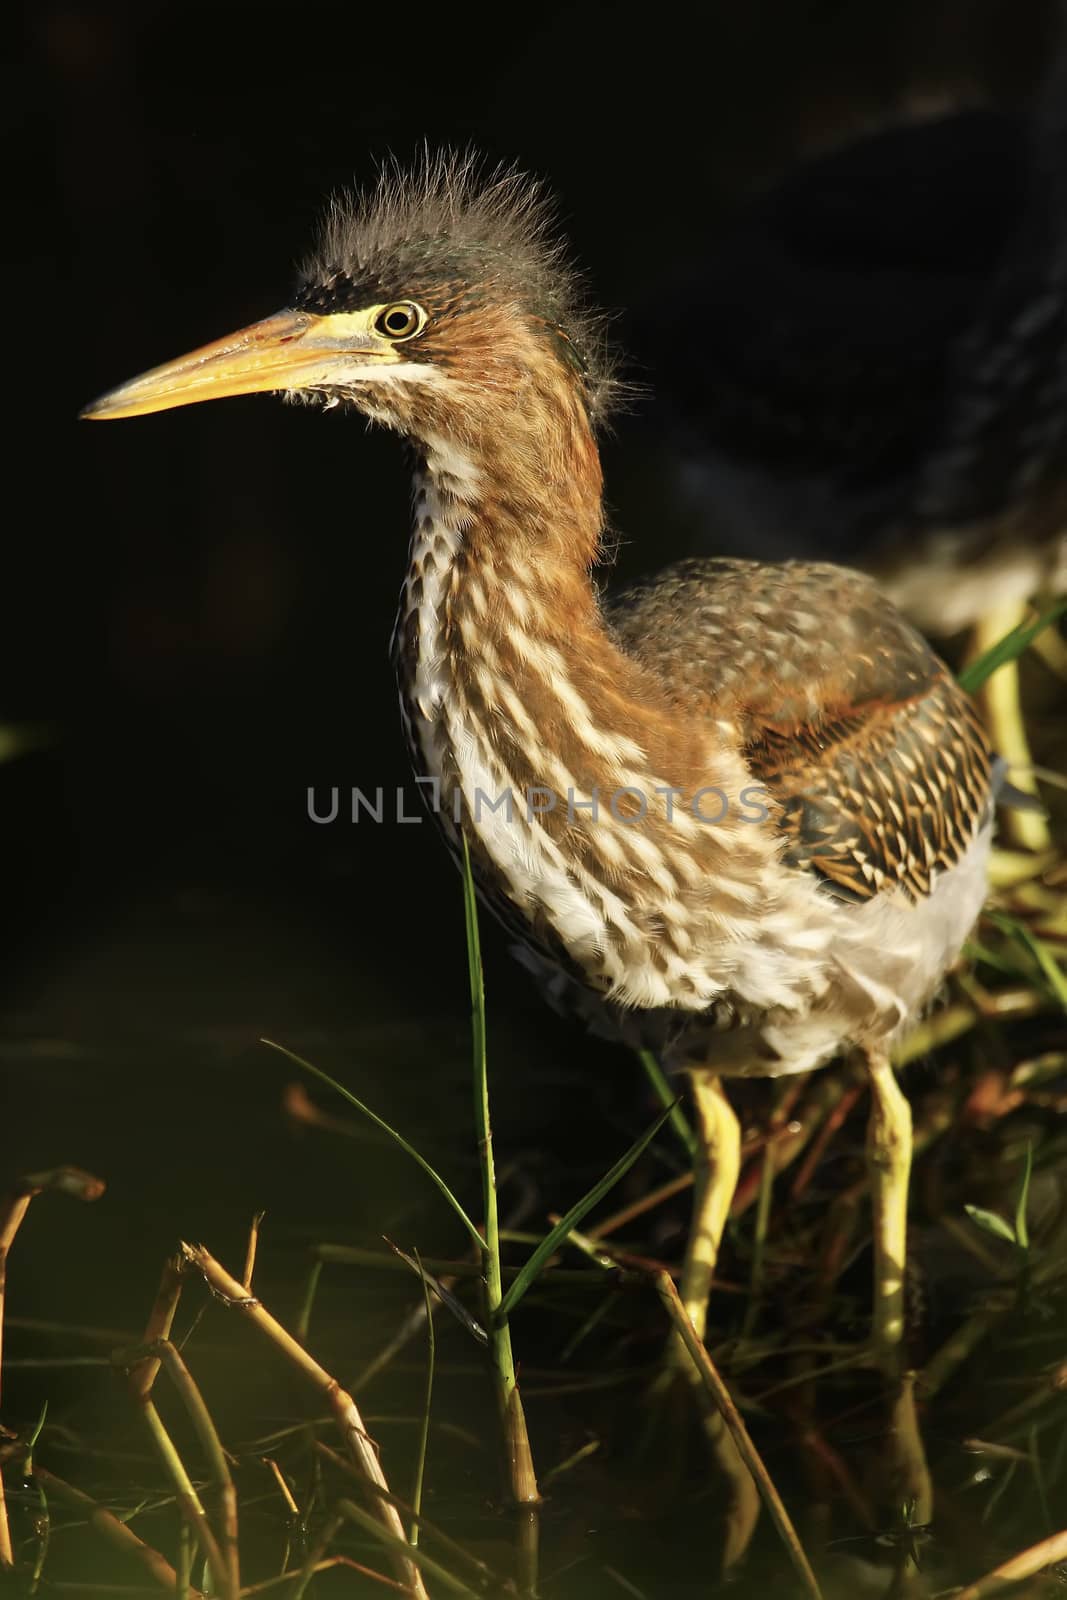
400,321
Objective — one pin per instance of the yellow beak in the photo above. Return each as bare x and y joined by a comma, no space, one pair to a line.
293,350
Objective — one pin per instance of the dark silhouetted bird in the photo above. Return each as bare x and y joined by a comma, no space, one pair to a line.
871,365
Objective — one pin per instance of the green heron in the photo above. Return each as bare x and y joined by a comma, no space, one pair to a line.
879,377
740,814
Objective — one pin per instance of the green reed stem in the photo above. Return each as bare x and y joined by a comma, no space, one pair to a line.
666,1094
521,1478
1010,648
424,1426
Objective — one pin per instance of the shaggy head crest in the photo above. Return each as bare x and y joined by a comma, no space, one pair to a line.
450,232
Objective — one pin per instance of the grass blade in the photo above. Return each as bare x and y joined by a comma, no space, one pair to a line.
424,1428
992,1223
490,1245
522,1479
1010,648
552,1241
1022,1232
379,1122
661,1085
1050,969
445,1296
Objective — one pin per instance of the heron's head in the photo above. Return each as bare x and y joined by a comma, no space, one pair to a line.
439,303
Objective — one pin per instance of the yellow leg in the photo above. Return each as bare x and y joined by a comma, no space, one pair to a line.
716,1168
889,1159
1002,705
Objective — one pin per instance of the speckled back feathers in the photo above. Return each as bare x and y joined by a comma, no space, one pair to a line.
875,759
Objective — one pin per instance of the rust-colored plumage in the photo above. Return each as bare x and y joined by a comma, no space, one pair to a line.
820,898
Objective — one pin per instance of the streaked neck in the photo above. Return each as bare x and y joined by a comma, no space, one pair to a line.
512,687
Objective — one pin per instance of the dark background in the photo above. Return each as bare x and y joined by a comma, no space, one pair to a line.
198,605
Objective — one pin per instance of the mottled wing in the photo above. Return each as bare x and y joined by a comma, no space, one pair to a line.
875,758
881,795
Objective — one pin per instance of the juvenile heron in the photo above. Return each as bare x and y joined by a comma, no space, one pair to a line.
741,813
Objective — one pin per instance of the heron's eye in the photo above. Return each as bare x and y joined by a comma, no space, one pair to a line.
400,321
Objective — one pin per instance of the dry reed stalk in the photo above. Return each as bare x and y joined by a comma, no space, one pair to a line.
637,1208
250,1253
189,1502
13,1208
715,1386
1027,1564
142,1369
304,1575
115,1532
447,1580
142,1375
346,1413
447,1269
462,1555
211,1445
283,1488
836,1120
15,1204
